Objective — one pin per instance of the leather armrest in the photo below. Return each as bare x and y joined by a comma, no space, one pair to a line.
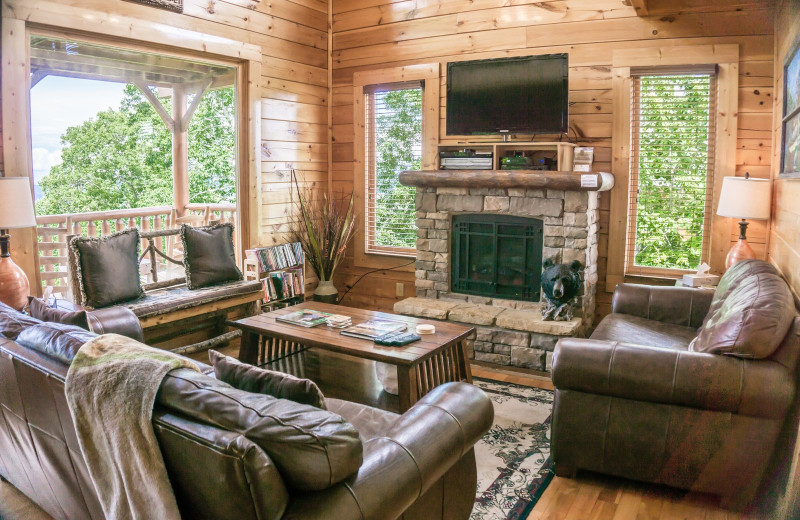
678,305
399,467
115,320
756,388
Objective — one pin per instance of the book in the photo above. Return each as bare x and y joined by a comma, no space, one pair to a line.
304,318
373,328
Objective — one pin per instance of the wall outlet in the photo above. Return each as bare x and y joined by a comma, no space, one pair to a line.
399,289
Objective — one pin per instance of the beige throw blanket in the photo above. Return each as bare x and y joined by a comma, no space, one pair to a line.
111,387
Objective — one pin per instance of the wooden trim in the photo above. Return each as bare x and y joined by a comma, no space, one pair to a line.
724,160
119,30
117,24
430,73
727,58
620,167
16,124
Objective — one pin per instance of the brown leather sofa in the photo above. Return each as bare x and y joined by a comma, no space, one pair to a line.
373,464
641,399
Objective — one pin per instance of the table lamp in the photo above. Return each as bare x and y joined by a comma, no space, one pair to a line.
16,211
744,198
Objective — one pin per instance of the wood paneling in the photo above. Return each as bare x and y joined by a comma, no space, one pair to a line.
784,237
293,38
784,234
376,34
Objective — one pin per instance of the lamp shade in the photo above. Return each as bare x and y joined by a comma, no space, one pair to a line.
745,198
16,203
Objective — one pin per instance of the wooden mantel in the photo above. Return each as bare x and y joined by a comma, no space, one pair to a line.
528,179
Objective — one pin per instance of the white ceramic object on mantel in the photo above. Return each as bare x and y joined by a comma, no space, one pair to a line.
387,375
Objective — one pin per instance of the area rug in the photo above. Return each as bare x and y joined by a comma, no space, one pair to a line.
513,458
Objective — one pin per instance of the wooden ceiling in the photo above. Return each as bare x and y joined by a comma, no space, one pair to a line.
56,57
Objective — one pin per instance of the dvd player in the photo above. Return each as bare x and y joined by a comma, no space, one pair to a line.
466,163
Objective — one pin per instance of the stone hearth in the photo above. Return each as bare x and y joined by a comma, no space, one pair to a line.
508,332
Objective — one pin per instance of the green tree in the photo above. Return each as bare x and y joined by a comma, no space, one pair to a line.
122,158
398,136
673,168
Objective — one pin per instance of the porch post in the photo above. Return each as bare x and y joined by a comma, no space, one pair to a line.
180,151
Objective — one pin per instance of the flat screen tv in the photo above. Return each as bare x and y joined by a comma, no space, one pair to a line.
526,95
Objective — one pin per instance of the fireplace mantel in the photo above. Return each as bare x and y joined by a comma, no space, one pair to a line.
509,179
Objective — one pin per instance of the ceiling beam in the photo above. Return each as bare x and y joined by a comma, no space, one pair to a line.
640,6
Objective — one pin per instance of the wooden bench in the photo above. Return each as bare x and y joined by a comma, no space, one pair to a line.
177,318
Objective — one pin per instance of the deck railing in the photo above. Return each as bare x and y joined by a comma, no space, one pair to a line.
52,231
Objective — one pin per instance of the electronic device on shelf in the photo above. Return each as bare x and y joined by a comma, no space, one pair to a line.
466,159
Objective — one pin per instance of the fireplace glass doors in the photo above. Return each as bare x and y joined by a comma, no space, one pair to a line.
496,256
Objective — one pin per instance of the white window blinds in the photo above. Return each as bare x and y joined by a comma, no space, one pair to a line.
673,114
393,132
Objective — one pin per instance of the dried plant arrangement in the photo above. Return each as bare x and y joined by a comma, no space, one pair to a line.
324,228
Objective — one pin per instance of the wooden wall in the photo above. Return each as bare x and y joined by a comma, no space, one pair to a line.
784,239
383,33
293,36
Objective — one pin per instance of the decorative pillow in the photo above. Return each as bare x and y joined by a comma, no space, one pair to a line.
41,311
208,255
107,268
13,322
55,339
750,315
262,381
312,448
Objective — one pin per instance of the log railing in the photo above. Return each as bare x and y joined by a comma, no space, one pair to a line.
52,231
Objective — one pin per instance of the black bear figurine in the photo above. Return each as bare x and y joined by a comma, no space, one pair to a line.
560,284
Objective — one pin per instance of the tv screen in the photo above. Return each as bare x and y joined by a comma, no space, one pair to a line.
527,95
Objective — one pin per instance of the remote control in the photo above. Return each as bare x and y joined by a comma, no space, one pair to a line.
397,340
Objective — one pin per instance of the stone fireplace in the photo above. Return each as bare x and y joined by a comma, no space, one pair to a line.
482,238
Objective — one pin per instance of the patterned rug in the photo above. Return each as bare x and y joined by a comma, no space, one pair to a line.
513,458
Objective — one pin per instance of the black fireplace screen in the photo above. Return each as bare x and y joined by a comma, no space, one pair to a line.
497,256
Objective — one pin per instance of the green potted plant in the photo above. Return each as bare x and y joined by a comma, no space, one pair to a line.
324,228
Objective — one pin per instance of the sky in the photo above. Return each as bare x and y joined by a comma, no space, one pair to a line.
58,103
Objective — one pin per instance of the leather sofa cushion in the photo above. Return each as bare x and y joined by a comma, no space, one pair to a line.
13,322
262,381
750,314
634,329
313,449
55,339
41,311
107,268
209,257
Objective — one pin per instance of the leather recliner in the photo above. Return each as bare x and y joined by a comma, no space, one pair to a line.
634,400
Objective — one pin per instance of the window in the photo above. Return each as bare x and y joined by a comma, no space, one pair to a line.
396,120
672,131
393,132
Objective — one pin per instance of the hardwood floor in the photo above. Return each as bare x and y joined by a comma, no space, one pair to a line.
587,497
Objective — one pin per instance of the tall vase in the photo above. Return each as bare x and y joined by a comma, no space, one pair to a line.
326,292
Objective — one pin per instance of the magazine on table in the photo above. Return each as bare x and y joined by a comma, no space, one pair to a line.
373,329
304,318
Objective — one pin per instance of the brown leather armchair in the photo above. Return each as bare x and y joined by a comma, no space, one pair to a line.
635,400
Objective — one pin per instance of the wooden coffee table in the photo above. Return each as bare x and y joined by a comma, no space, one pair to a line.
421,366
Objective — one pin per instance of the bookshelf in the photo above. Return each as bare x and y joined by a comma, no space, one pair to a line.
281,270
